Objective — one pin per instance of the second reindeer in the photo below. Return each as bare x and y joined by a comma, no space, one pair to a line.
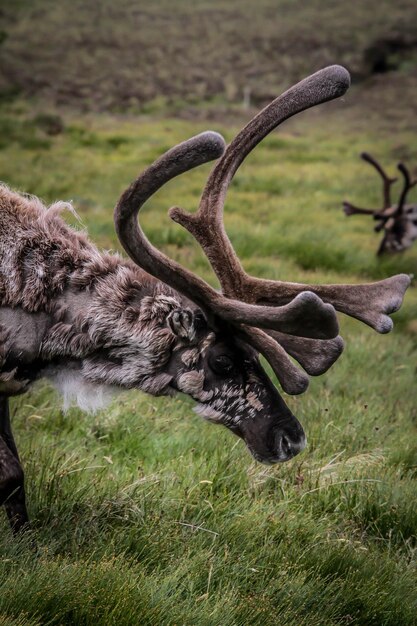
398,222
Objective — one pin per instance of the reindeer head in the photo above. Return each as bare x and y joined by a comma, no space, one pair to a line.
218,338
222,373
398,221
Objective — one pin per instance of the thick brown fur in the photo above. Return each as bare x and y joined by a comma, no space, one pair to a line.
94,301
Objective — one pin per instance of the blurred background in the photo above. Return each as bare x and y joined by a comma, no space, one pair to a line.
142,57
143,513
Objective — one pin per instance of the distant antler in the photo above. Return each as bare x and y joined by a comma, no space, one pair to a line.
408,184
392,220
399,229
387,182
351,209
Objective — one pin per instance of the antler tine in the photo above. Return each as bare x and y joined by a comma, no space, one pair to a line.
408,184
292,379
387,181
208,228
371,303
183,157
314,355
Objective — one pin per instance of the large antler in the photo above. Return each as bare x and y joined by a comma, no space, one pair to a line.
306,314
183,157
208,228
370,303
297,320
408,184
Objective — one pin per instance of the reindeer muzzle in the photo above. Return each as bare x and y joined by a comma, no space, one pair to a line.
276,441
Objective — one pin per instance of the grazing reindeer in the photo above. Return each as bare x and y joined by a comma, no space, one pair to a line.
93,322
398,221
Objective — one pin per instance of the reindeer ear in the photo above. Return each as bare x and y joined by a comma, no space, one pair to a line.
182,322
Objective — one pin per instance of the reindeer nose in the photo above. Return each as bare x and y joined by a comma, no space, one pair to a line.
289,443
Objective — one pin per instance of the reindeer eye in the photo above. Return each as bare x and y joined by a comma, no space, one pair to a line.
221,364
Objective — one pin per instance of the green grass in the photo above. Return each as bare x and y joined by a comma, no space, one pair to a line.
144,514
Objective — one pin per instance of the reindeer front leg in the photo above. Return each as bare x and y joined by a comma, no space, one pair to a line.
12,490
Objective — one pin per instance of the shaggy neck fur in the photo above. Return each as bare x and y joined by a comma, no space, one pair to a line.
106,317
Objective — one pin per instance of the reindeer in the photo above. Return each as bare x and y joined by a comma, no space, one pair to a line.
93,322
398,221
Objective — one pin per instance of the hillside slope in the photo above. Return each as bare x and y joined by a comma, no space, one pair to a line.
130,55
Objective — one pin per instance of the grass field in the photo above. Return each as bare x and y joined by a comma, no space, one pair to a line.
143,514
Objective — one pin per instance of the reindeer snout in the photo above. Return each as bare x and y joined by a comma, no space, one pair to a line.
278,441
288,444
